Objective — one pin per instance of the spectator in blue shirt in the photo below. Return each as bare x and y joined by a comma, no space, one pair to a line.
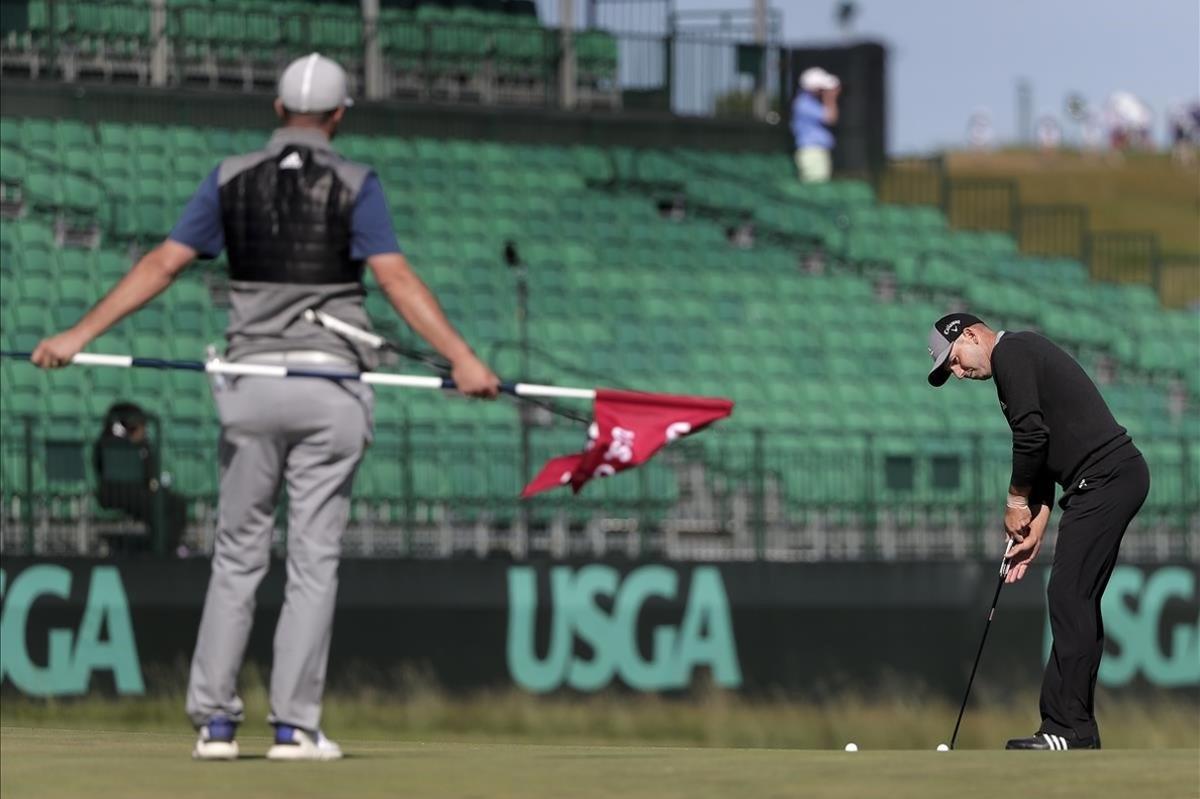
814,111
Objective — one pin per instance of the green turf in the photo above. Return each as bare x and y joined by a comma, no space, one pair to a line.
67,763
412,711
907,719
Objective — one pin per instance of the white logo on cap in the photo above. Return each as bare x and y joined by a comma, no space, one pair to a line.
293,161
952,327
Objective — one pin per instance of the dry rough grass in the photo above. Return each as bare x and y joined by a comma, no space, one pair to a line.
712,719
1138,192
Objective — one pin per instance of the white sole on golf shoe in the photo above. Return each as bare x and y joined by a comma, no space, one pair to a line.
306,748
215,750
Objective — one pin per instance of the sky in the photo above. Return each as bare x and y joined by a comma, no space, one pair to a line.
948,58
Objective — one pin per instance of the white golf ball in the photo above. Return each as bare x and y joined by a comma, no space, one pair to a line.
943,748
851,747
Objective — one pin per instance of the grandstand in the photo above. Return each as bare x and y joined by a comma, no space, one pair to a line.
672,269
496,50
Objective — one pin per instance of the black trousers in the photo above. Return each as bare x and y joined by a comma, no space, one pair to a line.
1089,536
138,501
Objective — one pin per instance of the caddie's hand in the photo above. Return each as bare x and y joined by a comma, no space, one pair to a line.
57,351
1016,523
474,379
1022,554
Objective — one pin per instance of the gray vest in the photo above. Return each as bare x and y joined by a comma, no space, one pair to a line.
286,212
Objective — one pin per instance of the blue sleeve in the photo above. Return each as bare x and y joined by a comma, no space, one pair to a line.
806,111
371,231
809,108
199,226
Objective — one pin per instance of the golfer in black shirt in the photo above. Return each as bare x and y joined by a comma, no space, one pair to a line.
1063,433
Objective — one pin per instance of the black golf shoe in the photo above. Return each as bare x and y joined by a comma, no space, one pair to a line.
1048,741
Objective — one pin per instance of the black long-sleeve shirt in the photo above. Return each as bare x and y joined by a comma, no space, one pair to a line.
1061,425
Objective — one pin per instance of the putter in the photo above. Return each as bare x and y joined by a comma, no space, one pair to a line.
987,625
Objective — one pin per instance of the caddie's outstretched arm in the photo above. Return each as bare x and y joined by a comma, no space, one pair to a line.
148,278
413,300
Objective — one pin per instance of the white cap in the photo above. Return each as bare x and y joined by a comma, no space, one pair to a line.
313,84
814,79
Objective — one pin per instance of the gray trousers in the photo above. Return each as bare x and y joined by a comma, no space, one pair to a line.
311,433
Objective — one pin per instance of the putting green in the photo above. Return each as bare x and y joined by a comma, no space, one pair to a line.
107,765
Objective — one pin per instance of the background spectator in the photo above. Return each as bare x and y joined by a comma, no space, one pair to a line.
981,134
129,480
814,111
1185,133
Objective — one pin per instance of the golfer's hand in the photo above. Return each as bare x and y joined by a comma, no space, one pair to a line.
1016,523
474,379
57,351
1022,554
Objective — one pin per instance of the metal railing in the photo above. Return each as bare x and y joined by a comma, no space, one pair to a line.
981,204
448,58
1178,278
1053,230
426,491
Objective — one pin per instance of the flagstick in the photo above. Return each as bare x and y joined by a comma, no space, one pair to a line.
217,366
377,342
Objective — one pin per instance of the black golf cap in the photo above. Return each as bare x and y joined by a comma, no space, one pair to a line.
943,335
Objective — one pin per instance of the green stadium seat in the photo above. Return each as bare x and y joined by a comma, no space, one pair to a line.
81,194
130,27
596,51
680,309
42,188
40,135
10,130
113,136
93,25
150,164
12,165
402,37
71,288
194,471
144,219
81,162
75,136
178,191
113,167
263,31
523,51
190,142
336,31
146,139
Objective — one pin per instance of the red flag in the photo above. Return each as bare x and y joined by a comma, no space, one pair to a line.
629,428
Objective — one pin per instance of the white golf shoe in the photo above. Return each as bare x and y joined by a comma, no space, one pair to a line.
216,741
293,743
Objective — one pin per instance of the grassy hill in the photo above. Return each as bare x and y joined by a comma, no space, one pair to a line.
1122,193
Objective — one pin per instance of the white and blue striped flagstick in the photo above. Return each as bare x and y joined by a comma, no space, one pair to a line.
217,366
